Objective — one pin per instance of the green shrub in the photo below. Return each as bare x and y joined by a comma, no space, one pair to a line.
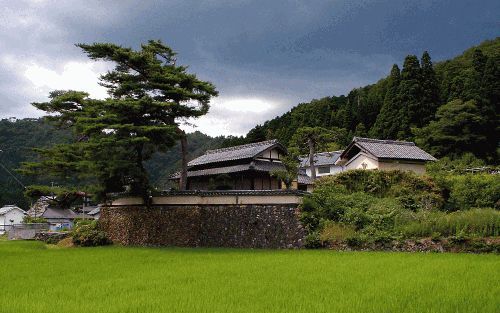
86,233
380,206
380,183
336,232
357,240
474,190
312,241
356,217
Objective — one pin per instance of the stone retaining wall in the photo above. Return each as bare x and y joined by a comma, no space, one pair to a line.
243,226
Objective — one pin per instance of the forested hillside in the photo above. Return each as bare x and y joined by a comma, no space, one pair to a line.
449,108
19,137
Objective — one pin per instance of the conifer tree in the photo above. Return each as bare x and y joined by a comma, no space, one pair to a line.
430,96
387,125
150,96
490,106
410,97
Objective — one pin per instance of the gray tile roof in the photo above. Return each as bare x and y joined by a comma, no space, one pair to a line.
259,166
234,153
53,213
392,149
322,158
304,179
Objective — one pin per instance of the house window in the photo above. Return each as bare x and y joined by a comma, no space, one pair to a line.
323,170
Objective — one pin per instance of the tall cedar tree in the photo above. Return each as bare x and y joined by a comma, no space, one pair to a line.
387,124
430,96
150,96
410,97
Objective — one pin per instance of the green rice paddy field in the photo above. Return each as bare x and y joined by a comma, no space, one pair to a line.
39,278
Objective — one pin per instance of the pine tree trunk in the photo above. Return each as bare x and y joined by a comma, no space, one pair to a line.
183,178
311,158
142,187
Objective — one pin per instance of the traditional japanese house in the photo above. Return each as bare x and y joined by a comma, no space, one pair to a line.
367,153
245,167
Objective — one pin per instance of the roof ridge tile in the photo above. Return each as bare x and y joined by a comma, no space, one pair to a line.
384,141
248,145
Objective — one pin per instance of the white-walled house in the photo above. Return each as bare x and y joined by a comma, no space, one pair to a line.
366,153
324,163
10,215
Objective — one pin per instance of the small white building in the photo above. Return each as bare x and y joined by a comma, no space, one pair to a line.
324,163
10,215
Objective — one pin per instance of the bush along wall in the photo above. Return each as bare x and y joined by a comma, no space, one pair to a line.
401,211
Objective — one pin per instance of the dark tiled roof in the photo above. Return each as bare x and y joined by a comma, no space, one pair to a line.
304,179
392,149
259,166
322,158
234,153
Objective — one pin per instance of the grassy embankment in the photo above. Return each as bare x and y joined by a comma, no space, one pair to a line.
38,278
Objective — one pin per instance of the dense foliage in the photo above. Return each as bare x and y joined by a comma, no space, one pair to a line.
449,108
360,206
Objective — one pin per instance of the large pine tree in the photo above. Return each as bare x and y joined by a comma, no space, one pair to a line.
149,97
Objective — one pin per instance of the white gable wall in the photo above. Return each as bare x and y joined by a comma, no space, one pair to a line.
357,162
334,169
12,217
271,154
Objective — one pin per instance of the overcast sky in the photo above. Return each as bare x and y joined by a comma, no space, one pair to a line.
263,56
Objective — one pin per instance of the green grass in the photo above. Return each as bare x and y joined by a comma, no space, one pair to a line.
37,278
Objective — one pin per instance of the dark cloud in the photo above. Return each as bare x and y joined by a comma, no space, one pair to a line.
284,52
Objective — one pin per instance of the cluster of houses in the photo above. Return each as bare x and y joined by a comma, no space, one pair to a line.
57,219
251,166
